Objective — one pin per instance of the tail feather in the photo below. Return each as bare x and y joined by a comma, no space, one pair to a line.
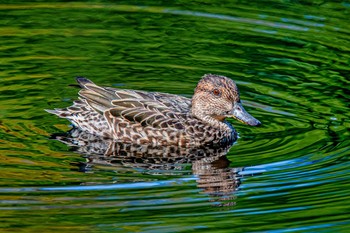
60,112
52,111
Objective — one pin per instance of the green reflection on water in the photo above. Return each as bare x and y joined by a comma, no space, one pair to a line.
290,61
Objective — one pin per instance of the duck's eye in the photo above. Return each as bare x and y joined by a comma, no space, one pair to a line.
216,92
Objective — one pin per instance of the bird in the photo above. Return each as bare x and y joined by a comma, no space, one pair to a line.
160,119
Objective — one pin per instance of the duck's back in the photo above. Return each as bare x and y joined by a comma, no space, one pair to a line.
129,115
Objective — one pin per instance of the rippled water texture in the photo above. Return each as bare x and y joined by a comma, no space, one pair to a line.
290,60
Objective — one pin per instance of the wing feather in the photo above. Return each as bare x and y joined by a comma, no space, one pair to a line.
148,109
147,113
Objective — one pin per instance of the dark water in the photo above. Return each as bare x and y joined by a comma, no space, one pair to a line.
290,60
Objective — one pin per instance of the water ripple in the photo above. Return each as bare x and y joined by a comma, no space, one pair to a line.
290,61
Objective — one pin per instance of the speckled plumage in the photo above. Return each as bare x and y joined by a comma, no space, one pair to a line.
158,118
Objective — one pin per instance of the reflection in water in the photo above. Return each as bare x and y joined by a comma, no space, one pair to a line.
217,179
290,60
211,165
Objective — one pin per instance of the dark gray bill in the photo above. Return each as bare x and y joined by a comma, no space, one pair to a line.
241,114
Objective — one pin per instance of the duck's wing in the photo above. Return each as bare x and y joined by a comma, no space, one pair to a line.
146,113
156,110
104,96
174,102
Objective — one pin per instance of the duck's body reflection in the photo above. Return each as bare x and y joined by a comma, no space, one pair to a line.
210,165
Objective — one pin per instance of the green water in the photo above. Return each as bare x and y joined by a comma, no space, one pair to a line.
290,60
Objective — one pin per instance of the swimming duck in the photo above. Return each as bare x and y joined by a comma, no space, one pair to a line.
155,118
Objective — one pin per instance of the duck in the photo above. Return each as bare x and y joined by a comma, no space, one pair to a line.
160,119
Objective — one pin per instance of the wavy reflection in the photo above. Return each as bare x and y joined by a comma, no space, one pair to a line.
210,165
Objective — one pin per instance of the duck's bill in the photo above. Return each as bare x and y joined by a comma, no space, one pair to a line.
239,113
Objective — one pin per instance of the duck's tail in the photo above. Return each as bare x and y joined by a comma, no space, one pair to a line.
86,112
65,112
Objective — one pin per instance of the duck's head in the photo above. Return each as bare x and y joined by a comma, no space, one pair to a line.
218,97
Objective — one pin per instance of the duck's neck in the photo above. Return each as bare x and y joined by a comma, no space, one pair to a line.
201,109
215,122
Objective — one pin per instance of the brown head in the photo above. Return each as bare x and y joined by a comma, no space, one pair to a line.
217,97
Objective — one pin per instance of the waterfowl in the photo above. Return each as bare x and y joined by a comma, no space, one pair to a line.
140,117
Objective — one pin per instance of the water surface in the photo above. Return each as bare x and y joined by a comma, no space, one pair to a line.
290,60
